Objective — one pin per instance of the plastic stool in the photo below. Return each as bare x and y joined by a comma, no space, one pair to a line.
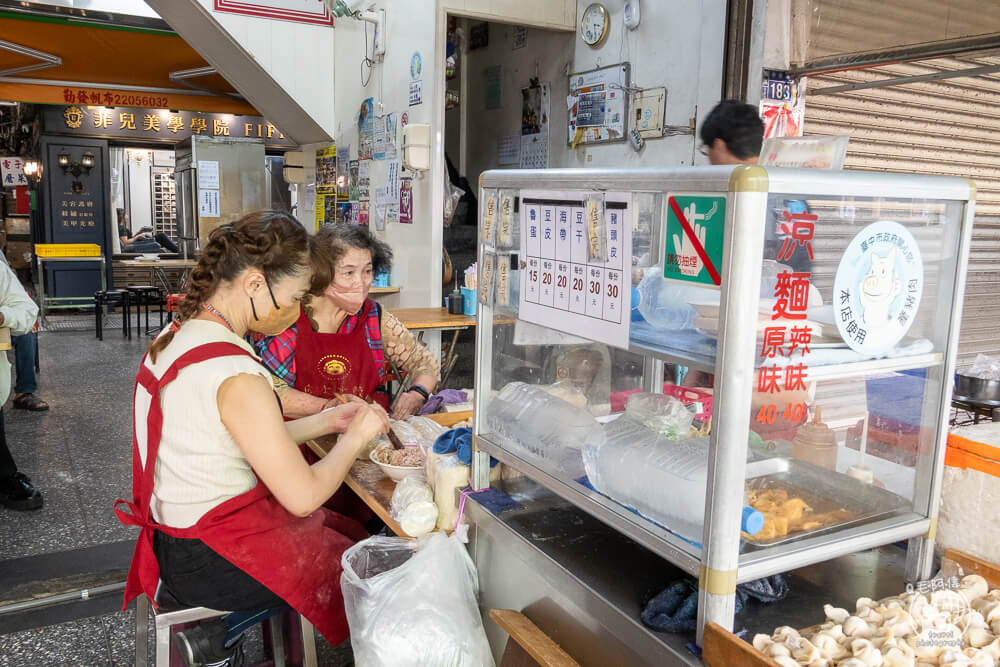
292,640
146,296
108,299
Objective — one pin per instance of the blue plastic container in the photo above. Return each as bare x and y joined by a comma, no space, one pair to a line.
469,308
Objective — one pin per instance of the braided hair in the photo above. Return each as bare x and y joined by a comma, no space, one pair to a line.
272,241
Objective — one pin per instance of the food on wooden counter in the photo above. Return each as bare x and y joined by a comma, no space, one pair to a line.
945,627
408,457
784,514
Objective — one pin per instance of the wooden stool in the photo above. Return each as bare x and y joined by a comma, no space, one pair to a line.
291,636
109,299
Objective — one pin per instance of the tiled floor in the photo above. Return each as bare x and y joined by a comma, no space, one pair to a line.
79,456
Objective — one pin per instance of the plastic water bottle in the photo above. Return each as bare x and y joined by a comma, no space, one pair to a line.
664,480
530,420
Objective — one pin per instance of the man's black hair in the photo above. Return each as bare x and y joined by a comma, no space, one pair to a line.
736,123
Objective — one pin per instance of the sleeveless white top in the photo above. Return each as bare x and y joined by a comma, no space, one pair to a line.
199,465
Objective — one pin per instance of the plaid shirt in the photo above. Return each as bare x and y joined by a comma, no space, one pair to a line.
278,352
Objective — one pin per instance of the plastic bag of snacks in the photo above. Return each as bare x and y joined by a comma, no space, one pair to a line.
413,602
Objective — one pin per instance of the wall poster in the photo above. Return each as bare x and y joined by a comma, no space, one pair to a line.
598,100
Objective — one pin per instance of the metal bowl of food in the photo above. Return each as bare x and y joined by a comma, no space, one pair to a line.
977,389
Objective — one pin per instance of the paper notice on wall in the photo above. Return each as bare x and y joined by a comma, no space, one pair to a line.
382,197
379,216
509,150
208,174
416,92
534,153
378,152
406,201
208,203
392,179
391,123
364,180
363,213
392,212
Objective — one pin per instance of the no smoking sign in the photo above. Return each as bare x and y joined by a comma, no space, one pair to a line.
694,235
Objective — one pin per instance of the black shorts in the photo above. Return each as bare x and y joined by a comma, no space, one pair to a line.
196,576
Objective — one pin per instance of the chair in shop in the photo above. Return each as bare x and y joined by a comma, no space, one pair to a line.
104,300
289,638
144,296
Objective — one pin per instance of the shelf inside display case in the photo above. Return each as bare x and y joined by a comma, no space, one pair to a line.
887,520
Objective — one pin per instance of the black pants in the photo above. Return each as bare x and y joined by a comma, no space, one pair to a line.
7,465
198,577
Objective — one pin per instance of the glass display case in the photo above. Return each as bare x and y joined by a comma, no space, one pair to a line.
745,370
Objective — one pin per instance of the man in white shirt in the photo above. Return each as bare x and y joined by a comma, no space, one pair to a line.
18,313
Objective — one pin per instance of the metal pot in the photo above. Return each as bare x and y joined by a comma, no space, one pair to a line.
977,389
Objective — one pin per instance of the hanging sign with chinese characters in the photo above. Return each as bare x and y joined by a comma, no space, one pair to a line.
157,124
562,286
12,172
878,287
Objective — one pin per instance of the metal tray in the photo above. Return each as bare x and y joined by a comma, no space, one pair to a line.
825,491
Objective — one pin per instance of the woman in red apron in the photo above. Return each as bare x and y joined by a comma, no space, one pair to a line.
343,342
230,512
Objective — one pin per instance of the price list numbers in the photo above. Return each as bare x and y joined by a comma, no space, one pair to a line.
559,273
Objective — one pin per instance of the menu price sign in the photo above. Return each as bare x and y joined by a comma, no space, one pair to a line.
561,286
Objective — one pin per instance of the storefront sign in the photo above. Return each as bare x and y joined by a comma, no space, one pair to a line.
12,172
300,11
695,229
156,124
878,287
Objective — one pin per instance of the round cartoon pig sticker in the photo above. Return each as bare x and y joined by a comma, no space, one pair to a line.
878,287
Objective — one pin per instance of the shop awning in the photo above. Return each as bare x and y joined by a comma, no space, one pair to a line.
62,60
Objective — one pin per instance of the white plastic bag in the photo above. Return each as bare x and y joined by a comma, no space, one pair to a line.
413,603
411,489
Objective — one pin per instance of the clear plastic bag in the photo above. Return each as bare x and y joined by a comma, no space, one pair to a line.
413,603
664,414
427,427
984,367
410,489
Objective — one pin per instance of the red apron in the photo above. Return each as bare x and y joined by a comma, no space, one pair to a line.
296,558
337,363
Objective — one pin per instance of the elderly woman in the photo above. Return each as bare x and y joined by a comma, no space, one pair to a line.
343,342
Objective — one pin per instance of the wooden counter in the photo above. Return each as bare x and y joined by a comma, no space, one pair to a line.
416,319
368,481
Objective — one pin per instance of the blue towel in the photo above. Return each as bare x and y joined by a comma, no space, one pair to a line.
676,608
458,441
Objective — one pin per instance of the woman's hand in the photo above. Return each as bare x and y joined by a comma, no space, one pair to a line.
369,422
340,416
407,403
341,399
